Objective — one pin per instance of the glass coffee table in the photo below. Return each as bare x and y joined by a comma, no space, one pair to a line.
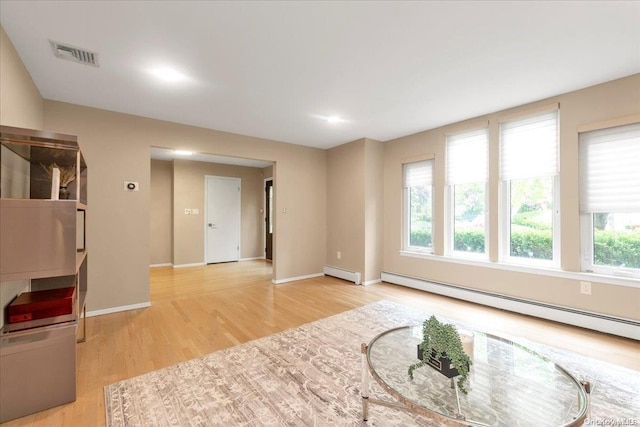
509,384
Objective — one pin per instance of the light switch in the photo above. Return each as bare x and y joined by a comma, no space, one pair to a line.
187,211
195,211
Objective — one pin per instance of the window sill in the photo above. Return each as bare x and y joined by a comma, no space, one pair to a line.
544,271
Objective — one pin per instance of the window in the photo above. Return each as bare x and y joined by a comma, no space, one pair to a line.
610,200
529,177
418,202
467,175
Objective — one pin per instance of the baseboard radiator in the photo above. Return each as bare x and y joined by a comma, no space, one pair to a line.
351,276
598,322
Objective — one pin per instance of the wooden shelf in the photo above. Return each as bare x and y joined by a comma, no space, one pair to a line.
82,298
19,329
16,329
38,239
38,137
39,244
80,257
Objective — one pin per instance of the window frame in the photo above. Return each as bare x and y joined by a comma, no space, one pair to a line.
406,212
504,223
587,253
451,251
505,228
450,221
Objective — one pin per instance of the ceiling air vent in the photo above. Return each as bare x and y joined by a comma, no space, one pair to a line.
75,54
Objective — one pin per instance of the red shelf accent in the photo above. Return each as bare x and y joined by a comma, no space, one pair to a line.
41,304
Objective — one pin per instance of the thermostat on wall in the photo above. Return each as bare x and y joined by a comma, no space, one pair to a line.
131,186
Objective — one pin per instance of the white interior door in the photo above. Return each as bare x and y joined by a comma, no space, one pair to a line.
222,225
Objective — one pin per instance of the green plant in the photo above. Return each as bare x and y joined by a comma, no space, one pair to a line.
533,219
443,340
420,238
531,243
616,248
469,240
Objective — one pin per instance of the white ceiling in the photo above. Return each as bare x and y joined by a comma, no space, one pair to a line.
276,69
158,153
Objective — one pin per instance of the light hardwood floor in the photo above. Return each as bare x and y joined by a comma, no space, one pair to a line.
198,310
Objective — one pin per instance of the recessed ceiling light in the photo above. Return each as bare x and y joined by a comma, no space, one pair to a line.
183,152
168,74
334,119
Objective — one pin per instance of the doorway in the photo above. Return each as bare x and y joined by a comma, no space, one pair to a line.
268,219
222,219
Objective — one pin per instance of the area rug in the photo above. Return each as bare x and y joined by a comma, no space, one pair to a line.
310,376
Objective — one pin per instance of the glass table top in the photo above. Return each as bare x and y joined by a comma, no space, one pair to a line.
509,385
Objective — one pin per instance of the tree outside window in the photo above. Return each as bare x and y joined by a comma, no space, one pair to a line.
467,176
529,170
420,222
418,206
469,212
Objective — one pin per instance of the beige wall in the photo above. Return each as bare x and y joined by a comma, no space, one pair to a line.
21,106
117,149
20,102
345,206
189,191
607,101
373,208
161,212
354,207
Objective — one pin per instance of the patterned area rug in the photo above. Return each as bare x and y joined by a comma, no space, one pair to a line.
310,376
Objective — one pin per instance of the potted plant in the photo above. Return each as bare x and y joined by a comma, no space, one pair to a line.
440,347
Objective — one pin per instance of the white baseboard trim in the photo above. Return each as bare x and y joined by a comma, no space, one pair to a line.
294,279
251,259
371,282
598,322
341,273
166,264
195,264
118,309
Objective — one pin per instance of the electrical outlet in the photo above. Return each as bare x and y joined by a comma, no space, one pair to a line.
339,255
585,288
195,211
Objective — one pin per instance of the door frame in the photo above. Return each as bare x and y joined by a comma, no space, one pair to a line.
264,217
206,209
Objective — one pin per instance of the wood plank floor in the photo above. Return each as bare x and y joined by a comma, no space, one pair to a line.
198,310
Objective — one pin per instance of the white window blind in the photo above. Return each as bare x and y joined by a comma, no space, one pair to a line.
467,157
418,174
610,170
529,147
